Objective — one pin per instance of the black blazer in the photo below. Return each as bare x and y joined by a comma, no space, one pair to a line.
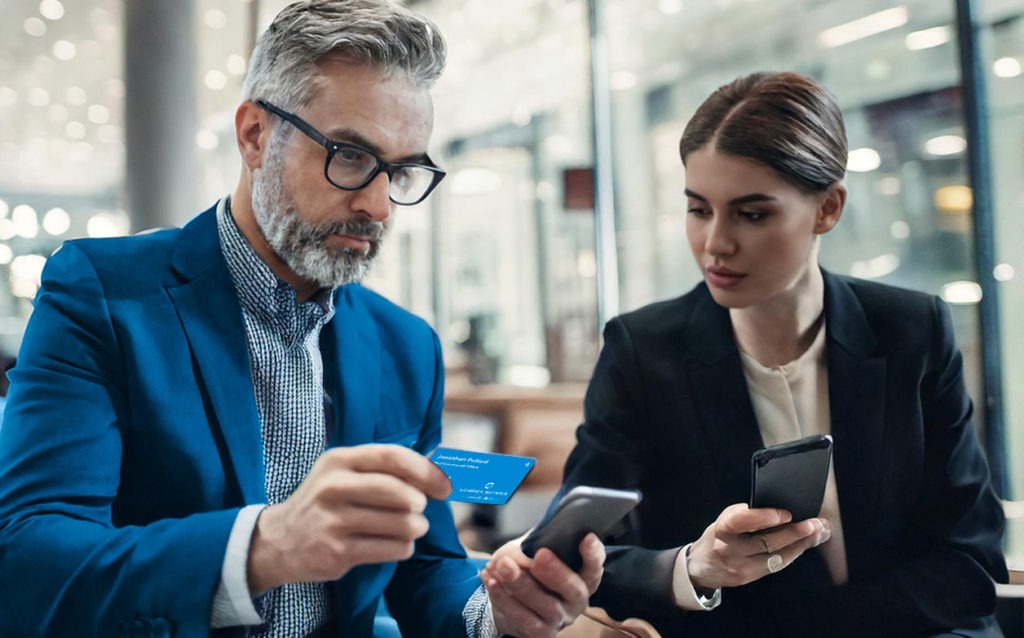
668,411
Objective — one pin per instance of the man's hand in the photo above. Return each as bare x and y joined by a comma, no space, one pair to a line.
358,505
745,544
535,598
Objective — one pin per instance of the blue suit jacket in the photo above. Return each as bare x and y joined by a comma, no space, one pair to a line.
132,439
668,411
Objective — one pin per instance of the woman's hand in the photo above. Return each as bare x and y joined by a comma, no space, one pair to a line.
744,545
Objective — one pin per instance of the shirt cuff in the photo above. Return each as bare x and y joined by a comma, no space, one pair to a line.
479,616
232,604
682,587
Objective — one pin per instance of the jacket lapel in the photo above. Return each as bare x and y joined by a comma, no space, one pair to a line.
211,316
721,400
351,348
856,378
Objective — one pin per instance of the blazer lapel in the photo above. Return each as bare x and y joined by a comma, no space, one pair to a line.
856,379
351,349
721,399
211,316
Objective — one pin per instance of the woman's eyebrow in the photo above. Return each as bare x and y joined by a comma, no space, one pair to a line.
744,199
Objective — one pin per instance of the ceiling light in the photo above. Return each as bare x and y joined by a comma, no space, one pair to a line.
961,292
4,208
35,27
6,254
64,50
928,38
75,130
215,19
864,27
1003,272
943,145
215,80
58,113
863,160
875,267
98,114
207,140
956,198
26,223
890,185
1006,67
51,9
6,229
104,225
236,64
26,271
56,221
899,229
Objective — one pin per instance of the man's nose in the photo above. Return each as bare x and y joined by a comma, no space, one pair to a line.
373,199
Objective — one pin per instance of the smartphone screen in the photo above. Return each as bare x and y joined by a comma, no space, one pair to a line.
792,476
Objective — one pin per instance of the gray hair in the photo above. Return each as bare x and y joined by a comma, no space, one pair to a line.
379,33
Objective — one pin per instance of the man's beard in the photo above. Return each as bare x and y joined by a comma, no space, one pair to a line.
303,245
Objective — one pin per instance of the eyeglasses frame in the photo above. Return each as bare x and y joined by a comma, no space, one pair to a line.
333,147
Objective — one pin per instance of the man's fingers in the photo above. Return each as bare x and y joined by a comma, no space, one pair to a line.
511,614
564,585
398,461
344,487
530,590
377,523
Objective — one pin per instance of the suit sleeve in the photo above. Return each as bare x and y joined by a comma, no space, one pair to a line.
637,581
66,568
429,591
957,524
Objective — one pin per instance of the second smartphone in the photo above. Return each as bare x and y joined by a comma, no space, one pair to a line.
581,510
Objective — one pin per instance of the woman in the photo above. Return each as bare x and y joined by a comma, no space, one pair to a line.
771,348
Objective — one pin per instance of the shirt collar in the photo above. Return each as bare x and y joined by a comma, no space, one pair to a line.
260,291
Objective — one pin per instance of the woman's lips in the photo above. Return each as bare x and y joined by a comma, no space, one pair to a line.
723,277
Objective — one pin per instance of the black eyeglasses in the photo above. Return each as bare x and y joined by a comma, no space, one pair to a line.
351,167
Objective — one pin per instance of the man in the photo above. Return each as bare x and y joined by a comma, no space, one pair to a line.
170,386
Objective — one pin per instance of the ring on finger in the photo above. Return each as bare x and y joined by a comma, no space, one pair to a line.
775,563
764,543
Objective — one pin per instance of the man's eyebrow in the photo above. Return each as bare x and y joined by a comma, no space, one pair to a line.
745,199
348,136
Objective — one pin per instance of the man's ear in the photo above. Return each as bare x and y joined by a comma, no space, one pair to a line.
831,208
252,132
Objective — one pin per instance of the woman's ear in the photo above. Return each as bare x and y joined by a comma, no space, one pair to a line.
252,132
830,209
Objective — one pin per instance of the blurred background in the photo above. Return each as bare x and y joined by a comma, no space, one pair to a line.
558,122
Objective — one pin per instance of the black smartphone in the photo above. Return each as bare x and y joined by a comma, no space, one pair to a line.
792,475
581,510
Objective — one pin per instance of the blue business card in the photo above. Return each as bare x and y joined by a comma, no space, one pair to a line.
480,477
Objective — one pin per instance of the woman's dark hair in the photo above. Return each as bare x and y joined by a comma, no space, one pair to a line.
786,121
